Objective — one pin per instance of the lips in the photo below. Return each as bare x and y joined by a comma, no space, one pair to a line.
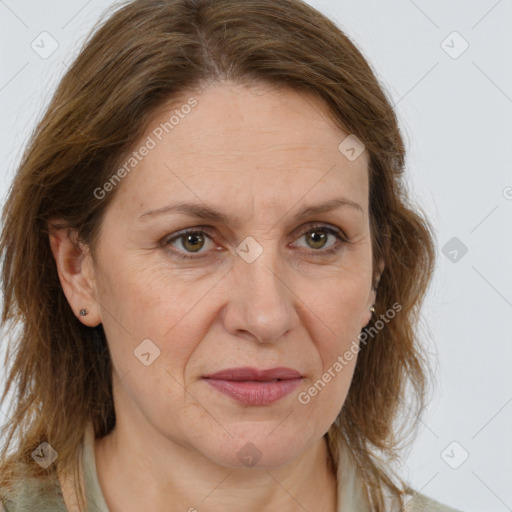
255,374
255,387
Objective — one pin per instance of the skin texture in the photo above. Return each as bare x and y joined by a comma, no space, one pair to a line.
259,155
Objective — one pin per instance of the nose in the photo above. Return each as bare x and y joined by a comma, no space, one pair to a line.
261,304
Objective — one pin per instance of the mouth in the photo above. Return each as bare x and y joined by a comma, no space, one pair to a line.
253,386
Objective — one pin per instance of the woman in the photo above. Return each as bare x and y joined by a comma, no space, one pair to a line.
216,274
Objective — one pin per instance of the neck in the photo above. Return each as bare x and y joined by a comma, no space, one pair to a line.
169,473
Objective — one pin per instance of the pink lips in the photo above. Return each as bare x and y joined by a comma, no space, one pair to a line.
252,386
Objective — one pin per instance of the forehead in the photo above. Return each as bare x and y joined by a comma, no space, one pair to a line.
251,145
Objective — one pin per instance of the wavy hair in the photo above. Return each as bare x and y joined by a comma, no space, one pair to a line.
146,54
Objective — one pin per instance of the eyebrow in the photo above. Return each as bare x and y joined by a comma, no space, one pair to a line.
205,212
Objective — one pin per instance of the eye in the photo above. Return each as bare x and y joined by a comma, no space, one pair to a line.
189,241
317,238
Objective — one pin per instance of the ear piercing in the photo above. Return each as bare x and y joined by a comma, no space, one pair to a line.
83,312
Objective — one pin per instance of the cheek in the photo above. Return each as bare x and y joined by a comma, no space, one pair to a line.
149,299
325,395
337,319
175,309
339,308
139,304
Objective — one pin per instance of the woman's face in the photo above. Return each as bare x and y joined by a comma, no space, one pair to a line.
267,284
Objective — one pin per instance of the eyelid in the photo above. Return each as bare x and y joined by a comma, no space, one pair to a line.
166,242
205,230
320,225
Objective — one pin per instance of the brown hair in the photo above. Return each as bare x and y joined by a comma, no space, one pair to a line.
148,53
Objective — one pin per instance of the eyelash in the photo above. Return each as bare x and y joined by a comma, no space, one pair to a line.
341,239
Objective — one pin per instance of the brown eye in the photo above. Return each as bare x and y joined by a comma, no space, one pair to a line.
189,243
321,240
192,242
316,238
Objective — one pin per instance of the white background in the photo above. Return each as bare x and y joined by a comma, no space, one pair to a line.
456,115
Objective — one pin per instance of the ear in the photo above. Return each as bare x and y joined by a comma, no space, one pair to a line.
372,297
76,272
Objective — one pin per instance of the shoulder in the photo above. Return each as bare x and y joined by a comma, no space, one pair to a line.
32,495
421,503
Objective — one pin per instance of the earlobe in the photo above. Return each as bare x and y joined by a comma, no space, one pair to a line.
377,279
373,296
76,274
366,318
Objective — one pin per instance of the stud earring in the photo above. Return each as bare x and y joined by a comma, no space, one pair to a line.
372,309
83,312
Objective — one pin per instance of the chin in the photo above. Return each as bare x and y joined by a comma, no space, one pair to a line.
259,451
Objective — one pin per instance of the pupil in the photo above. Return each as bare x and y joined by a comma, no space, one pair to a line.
320,239
194,241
